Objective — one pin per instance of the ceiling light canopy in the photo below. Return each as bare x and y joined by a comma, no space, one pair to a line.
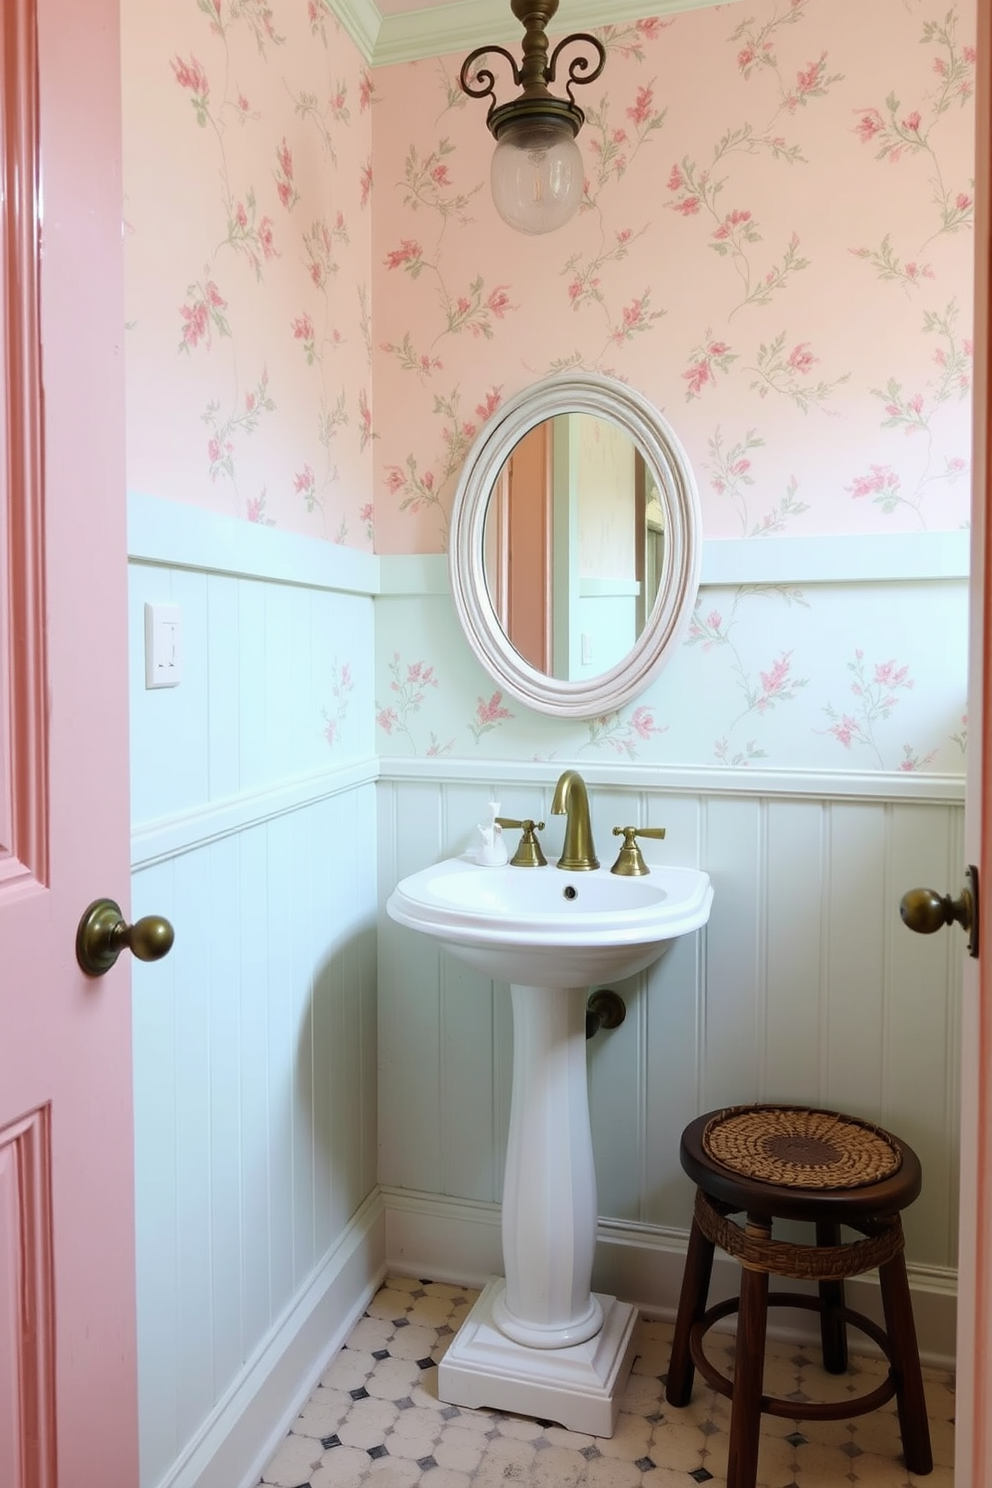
537,175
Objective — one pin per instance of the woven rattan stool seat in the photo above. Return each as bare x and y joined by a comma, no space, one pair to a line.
774,1162
800,1147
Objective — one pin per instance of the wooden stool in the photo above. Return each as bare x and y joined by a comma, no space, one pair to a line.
790,1162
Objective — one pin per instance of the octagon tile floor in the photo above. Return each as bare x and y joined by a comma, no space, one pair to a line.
375,1421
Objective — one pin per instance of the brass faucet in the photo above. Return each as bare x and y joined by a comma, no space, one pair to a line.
572,800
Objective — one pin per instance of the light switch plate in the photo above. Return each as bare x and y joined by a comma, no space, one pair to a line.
163,648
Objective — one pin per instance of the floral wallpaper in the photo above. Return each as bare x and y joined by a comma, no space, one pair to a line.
774,246
247,168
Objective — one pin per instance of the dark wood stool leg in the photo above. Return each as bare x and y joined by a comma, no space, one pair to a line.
833,1328
901,1329
749,1369
692,1305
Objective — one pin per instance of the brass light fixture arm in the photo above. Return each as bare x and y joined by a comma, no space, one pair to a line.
580,64
535,72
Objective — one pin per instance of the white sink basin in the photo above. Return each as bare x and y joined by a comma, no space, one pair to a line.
542,927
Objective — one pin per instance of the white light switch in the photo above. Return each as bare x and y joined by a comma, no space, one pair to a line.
163,649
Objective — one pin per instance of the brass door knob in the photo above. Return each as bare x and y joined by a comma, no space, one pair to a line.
924,910
103,933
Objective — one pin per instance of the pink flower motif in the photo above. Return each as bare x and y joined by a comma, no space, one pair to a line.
499,301
485,410
367,512
493,712
387,719
698,375
689,206
801,359
304,482
733,219
195,318
676,180
887,674
745,58
256,507
880,478
774,682
575,289
643,724
440,177
869,125
364,91
331,731
940,66
912,123
650,29
408,252
365,182
740,467
303,328
844,731
962,201
395,479
641,110
192,76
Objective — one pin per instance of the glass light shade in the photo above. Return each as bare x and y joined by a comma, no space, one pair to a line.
536,176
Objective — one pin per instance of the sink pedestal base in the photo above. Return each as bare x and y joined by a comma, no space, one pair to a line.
578,1387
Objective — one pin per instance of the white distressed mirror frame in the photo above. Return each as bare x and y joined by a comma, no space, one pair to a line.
591,393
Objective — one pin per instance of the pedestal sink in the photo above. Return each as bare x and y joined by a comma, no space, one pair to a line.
541,1343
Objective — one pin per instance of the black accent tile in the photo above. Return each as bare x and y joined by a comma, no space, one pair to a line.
418,1293
330,1441
379,1451
425,1281
645,1464
700,1475
426,1463
797,1439
543,1424
425,1363
380,1353
709,1428
852,1449
405,1404
401,1322
590,1453
450,1413
360,1394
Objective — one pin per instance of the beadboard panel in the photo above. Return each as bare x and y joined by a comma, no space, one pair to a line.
804,986
276,683
255,1096
253,830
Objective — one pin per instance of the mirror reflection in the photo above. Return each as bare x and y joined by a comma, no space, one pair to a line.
574,545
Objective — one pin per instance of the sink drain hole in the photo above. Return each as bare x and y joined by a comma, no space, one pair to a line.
570,892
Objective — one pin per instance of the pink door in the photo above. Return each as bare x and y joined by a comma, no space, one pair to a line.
67,1344
973,1466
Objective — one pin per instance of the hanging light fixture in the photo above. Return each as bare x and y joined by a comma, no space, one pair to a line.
537,168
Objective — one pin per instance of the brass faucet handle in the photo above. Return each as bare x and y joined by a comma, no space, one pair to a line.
630,863
528,853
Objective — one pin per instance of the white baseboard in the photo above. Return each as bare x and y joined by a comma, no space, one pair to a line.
245,1429
453,1240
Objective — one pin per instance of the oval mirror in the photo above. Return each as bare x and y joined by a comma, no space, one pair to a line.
575,545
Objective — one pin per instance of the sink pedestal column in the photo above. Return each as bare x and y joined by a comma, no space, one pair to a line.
541,1343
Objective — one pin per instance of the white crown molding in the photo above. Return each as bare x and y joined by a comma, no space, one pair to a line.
438,29
362,21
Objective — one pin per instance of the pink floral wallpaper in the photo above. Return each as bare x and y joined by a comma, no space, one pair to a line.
774,246
247,157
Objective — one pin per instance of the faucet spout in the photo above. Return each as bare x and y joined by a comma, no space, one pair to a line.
572,801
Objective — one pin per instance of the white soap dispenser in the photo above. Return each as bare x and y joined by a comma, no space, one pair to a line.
492,853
